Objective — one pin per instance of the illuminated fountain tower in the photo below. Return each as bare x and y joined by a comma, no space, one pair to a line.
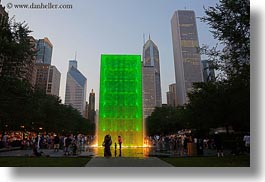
120,104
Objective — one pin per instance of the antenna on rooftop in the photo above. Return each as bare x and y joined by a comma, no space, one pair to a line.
75,55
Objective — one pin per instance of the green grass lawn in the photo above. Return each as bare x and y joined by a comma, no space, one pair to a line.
43,161
227,161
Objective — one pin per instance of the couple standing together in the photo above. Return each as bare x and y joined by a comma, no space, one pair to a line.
108,142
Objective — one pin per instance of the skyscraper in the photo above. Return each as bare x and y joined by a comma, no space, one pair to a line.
91,109
48,79
187,58
208,70
151,78
120,104
42,76
53,82
171,95
44,51
76,87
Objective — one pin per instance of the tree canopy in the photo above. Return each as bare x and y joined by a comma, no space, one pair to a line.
20,104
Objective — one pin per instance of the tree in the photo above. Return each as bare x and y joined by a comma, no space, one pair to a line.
230,24
227,101
20,105
167,120
15,48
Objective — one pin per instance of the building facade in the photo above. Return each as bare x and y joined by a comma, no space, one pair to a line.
53,82
152,96
42,71
44,51
91,106
187,58
48,79
120,104
208,71
171,96
76,88
149,91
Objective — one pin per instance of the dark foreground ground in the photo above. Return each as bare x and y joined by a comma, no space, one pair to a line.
43,161
227,161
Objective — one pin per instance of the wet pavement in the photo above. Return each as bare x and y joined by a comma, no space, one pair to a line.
140,152
127,162
126,157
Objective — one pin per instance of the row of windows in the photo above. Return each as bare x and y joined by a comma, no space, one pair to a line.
189,43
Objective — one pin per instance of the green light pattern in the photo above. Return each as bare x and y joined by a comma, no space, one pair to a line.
120,104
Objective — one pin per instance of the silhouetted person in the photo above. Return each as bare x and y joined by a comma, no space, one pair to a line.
107,143
219,144
56,143
36,152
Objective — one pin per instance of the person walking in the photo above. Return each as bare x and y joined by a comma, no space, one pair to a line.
68,142
4,140
219,144
56,143
189,145
246,139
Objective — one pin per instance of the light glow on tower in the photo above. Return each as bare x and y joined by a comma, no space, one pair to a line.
120,104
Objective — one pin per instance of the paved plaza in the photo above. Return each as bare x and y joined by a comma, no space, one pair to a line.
127,162
127,157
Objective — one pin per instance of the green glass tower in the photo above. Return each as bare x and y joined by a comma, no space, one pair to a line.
120,104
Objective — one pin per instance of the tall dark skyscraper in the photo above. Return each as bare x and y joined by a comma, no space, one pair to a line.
187,58
44,51
91,107
171,95
151,78
47,76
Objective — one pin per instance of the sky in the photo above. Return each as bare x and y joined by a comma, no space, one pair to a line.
95,27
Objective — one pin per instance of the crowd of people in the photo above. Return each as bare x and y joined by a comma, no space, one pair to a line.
184,144
70,144
187,145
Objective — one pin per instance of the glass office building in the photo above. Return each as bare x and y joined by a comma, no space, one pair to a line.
187,58
76,87
152,96
44,51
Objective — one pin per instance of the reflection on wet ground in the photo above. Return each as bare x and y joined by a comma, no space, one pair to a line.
124,152
149,152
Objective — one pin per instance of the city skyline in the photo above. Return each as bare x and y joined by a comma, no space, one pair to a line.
90,31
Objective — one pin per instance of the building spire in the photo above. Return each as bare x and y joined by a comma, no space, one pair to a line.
149,37
75,54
